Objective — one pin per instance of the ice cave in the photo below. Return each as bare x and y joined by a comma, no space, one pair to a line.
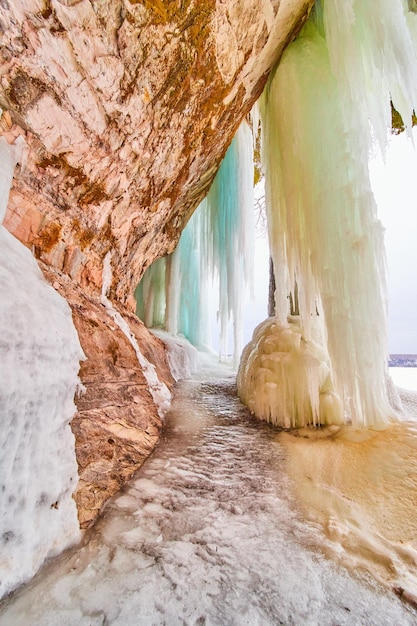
154,468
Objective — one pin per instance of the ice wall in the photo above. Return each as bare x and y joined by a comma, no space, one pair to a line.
39,363
183,357
326,104
216,245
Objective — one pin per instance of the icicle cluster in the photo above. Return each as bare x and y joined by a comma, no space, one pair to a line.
217,244
329,97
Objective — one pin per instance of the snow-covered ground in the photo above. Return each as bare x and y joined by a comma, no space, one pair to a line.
208,532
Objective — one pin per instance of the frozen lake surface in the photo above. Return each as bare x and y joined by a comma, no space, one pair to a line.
206,533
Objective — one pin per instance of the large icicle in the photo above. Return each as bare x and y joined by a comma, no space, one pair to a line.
216,244
323,227
231,223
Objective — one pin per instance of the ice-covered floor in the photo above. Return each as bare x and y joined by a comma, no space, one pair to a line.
207,533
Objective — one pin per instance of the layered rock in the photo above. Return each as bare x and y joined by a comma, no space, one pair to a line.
127,109
117,424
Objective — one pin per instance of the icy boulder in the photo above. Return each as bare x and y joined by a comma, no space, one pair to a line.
39,363
285,379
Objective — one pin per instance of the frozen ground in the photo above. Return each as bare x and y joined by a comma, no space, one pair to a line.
207,533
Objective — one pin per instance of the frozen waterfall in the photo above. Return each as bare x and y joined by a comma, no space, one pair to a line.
216,245
325,105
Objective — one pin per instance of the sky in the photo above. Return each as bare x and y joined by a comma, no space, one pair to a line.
395,190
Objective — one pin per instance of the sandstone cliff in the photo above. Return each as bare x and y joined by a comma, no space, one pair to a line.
127,108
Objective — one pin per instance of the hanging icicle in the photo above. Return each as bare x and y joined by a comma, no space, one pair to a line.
329,98
216,245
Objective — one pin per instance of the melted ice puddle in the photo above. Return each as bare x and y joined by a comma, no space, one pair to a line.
207,533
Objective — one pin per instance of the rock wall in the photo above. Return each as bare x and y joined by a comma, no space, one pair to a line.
127,108
117,425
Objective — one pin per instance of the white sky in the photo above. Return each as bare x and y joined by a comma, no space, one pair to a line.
395,189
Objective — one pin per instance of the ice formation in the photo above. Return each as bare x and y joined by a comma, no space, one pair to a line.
39,363
158,390
328,100
294,375
217,243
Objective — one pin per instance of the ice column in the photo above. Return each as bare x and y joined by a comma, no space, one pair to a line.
39,363
327,101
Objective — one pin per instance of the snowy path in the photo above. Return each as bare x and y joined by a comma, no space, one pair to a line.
205,534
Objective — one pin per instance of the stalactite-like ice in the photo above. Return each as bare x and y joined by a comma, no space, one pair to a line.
216,244
231,223
150,295
187,283
39,363
329,96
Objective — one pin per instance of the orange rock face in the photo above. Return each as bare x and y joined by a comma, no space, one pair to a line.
117,424
127,108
